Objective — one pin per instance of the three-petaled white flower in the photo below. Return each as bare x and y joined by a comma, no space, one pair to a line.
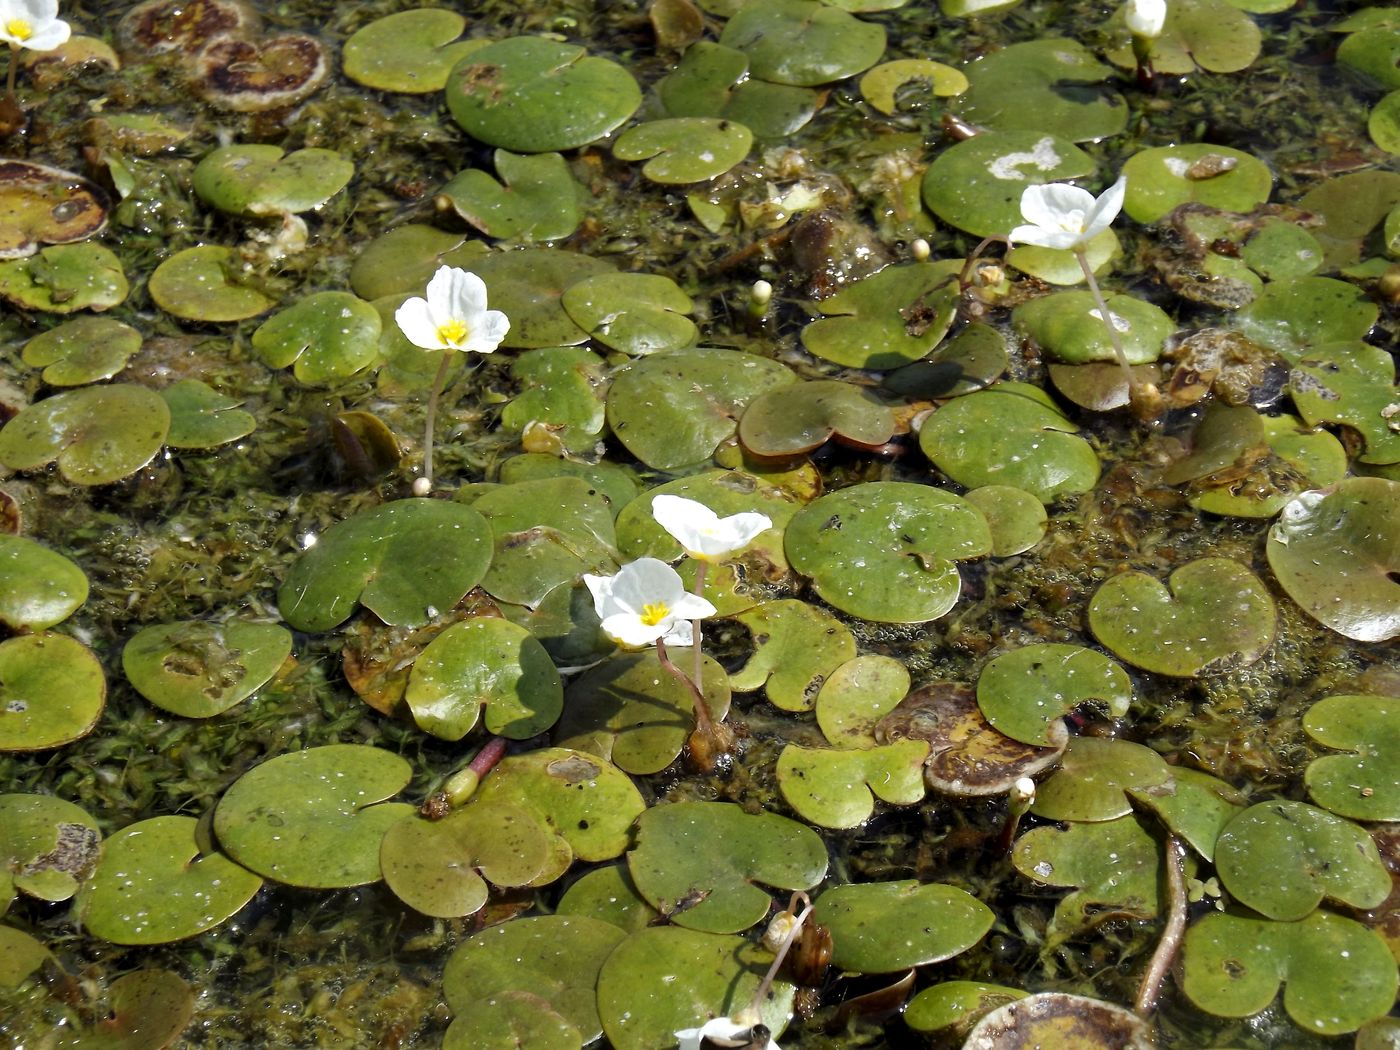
722,1032
1145,18
33,24
453,316
703,533
1066,217
646,601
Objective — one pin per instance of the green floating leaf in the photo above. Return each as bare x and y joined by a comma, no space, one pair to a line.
1213,616
1067,325
1279,250
856,695
1352,384
441,867
528,285
838,789
405,561
679,150
672,410
1361,785
976,185
155,885
882,927
1349,207
555,957
1214,35
485,663
47,847
1094,778
536,198
38,587
615,484
1025,693
21,956
253,179
1061,266
665,979
702,862
1336,553
887,551
802,43
796,646
327,337
1303,313
403,261
83,350
608,893
1374,52
97,435
1011,435
1194,805
561,389
202,284
65,279
1166,177
879,85
633,713
514,1019
200,417
636,313
953,1007
1336,973
530,94
1114,865
1043,86
970,360
199,669
889,319
51,692
314,818
1017,519
712,80
1384,123
148,1008
411,51
1284,858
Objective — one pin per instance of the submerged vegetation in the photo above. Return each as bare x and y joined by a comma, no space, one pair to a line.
1048,687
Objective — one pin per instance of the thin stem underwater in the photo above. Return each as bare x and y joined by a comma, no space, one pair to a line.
432,416
1134,391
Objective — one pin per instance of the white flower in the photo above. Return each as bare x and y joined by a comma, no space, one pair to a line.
33,24
453,316
645,601
1064,216
703,533
1145,18
722,1032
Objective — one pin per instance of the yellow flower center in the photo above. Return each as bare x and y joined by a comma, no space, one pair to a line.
452,332
653,614
19,29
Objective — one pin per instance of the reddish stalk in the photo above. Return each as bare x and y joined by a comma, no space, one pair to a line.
1170,944
700,567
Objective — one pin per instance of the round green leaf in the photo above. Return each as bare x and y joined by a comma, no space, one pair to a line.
65,279
1216,617
1094,777
47,847
327,337
880,84
411,51
154,885
515,1019
536,198
1214,35
1041,87
97,435
795,647
608,893
856,695
1025,693
889,319
202,418
1336,553
636,313
406,561
556,957
252,179
528,285
970,360
1068,327
203,284
1303,313
51,692
38,587
976,185
403,261
440,867
21,956
1012,435
887,551
1384,123
802,43
83,350
1017,519
716,852
679,150
662,980
145,1010
1350,206
1361,785
314,818
561,388
530,94
1284,858
1337,974
838,789
1194,805
200,669
1374,52
953,1007
485,663
881,927
672,410
1166,177
712,80
1279,250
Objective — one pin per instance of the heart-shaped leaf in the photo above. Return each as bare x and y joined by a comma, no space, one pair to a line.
83,350
795,420
1094,778
254,179
97,435
51,691
65,279
882,927
1362,784
837,789
200,669
636,313
796,646
47,847
685,149
1041,86
38,587
888,319
203,284
1025,693
536,198
411,51
803,43
327,337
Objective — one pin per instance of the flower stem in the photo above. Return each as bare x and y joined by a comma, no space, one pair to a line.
711,740
10,75
704,723
1133,392
432,415
1170,943
700,567
761,992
